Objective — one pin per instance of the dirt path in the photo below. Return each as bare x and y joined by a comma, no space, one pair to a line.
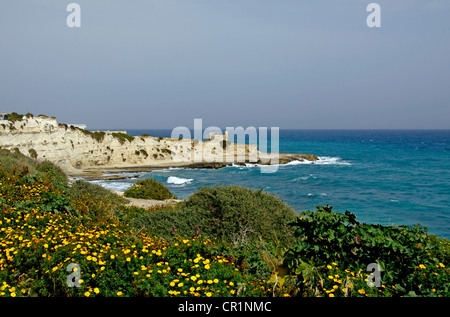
146,203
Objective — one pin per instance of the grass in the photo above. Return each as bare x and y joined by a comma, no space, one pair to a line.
122,137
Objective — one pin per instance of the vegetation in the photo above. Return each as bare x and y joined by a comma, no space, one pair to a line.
405,254
122,137
97,135
149,189
13,117
33,153
221,241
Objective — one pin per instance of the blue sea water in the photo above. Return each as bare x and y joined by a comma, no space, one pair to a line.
390,177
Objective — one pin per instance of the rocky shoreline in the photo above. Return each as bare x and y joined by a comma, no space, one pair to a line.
116,173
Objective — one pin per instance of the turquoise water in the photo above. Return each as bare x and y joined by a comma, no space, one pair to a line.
386,177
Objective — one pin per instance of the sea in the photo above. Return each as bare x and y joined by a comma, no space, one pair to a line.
388,177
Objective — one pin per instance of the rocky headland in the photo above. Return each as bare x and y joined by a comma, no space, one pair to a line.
80,152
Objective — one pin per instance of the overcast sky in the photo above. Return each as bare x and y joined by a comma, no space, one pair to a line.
149,64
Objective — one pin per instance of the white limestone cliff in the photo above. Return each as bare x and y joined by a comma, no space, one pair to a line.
76,150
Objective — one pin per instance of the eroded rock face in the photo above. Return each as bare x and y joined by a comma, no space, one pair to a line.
76,150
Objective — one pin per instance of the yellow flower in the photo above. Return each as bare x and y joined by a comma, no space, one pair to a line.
119,293
361,291
13,294
128,259
112,256
441,265
193,278
422,266
87,294
207,267
209,294
172,284
331,295
329,267
96,290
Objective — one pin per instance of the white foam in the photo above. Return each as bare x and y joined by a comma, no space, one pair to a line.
322,160
302,178
178,180
117,186
167,170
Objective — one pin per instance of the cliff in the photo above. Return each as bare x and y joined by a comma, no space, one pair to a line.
78,151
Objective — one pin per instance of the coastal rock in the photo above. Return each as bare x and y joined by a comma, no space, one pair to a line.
82,152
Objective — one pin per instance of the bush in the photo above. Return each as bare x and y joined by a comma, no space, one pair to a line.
96,192
324,237
15,162
95,201
242,216
149,189
33,153
53,174
14,116
122,137
250,222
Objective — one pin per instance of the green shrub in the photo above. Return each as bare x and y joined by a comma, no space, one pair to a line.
241,216
324,236
149,189
251,222
122,137
33,153
14,161
97,192
52,173
14,116
97,135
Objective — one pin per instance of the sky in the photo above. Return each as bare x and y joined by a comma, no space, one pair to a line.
292,64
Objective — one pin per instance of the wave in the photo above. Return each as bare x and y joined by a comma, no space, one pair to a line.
322,160
167,170
178,180
117,186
